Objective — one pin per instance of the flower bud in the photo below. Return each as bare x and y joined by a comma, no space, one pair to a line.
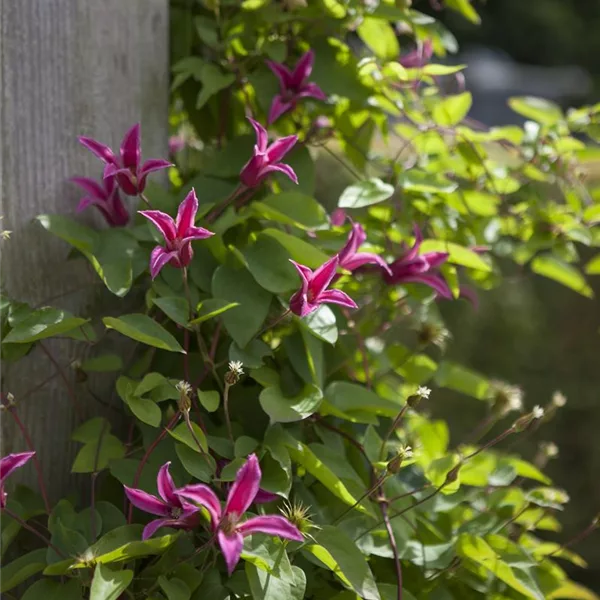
549,449
235,372
452,474
404,453
505,397
526,421
421,393
185,391
558,399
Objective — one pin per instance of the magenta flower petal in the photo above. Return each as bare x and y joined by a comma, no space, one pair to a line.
271,525
159,258
279,148
365,258
281,168
103,152
337,297
91,186
282,73
153,164
300,306
197,233
155,525
263,497
231,546
303,69
304,272
279,106
356,238
146,502
163,222
130,148
468,293
166,487
244,488
261,135
435,259
186,214
338,216
12,462
323,275
312,90
202,495
434,281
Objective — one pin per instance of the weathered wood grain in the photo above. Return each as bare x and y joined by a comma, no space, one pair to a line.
69,67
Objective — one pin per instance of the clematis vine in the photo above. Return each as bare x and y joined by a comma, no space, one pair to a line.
105,197
349,257
226,524
419,57
262,496
8,465
178,235
313,291
293,85
419,268
173,511
266,159
128,168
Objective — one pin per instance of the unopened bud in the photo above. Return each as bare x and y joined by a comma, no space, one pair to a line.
8,400
452,475
185,392
403,454
421,393
235,372
526,421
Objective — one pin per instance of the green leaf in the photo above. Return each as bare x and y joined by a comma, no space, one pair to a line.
456,377
211,308
304,456
459,255
593,266
150,382
348,561
210,400
304,166
422,182
43,323
145,330
538,109
102,364
176,308
479,551
265,586
77,235
451,110
292,208
525,469
252,355
268,261
239,286
112,257
96,455
465,9
437,470
90,430
174,588
301,251
182,434
282,409
365,193
322,324
108,584
21,569
200,466
349,397
213,81
380,37
145,410
50,589
554,268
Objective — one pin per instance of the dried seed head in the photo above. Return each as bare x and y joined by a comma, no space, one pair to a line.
185,393
558,399
298,514
433,333
422,393
505,397
235,372
526,421
550,449
404,454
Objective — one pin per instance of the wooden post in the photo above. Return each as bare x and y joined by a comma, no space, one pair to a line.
69,67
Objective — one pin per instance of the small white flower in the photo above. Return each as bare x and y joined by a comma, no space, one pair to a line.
423,391
407,452
183,387
537,412
559,399
235,366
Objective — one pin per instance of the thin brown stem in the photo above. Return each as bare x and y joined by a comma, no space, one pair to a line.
226,411
274,323
580,536
493,442
161,436
62,375
221,208
391,430
94,477
35,532
388,526
36,463
145,199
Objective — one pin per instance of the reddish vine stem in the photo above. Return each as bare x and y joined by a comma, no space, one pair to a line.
186,358
580,536
388,526
36,463
161,436
31,529
221,208
62,375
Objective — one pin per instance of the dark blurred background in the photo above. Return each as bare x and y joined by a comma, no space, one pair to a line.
530,331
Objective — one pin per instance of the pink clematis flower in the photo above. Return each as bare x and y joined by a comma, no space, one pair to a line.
174,511
8,464
105,197
266,158
178,235
419,268
130,173
226,523
349,257
262,496
314,290
293,85
419,57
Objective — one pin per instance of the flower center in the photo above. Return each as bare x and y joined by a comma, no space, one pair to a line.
229,523
176,512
